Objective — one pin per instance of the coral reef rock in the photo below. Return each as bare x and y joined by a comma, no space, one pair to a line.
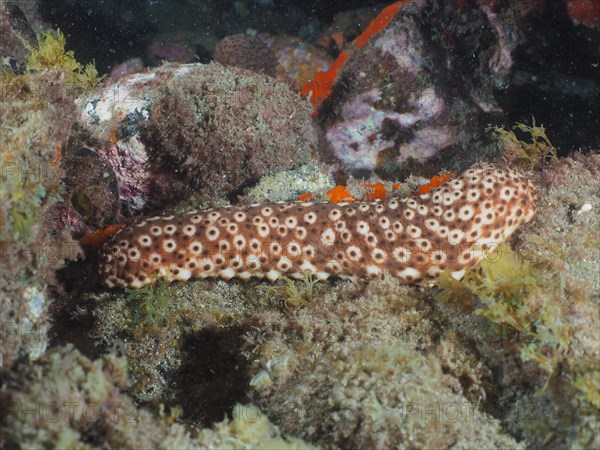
247,52
415,95
36,113
69,401
15,34
298,59
205,131
360,371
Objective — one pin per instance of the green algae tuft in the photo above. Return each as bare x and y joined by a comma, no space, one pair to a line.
51,55
519,153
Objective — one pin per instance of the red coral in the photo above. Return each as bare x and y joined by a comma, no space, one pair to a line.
379,23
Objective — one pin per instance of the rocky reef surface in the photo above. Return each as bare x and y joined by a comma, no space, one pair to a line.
194,130
505,357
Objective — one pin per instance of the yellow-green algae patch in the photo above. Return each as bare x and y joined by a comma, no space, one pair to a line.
50,54
541,302
507,289
523,154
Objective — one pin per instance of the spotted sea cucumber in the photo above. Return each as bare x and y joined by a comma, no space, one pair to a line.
451,228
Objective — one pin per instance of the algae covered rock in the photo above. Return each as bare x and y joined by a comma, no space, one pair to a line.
360,368
564,245
416,95
15,32
195,130
541,303
290,184
91,187
69,401
36,113
247,52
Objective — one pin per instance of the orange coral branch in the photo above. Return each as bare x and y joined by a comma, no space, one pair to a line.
435,182
320,88
305,197
340,194
378,192
379,23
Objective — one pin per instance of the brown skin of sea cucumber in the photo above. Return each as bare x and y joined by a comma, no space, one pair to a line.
416,238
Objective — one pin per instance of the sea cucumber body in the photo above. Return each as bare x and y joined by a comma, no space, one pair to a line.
415,238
